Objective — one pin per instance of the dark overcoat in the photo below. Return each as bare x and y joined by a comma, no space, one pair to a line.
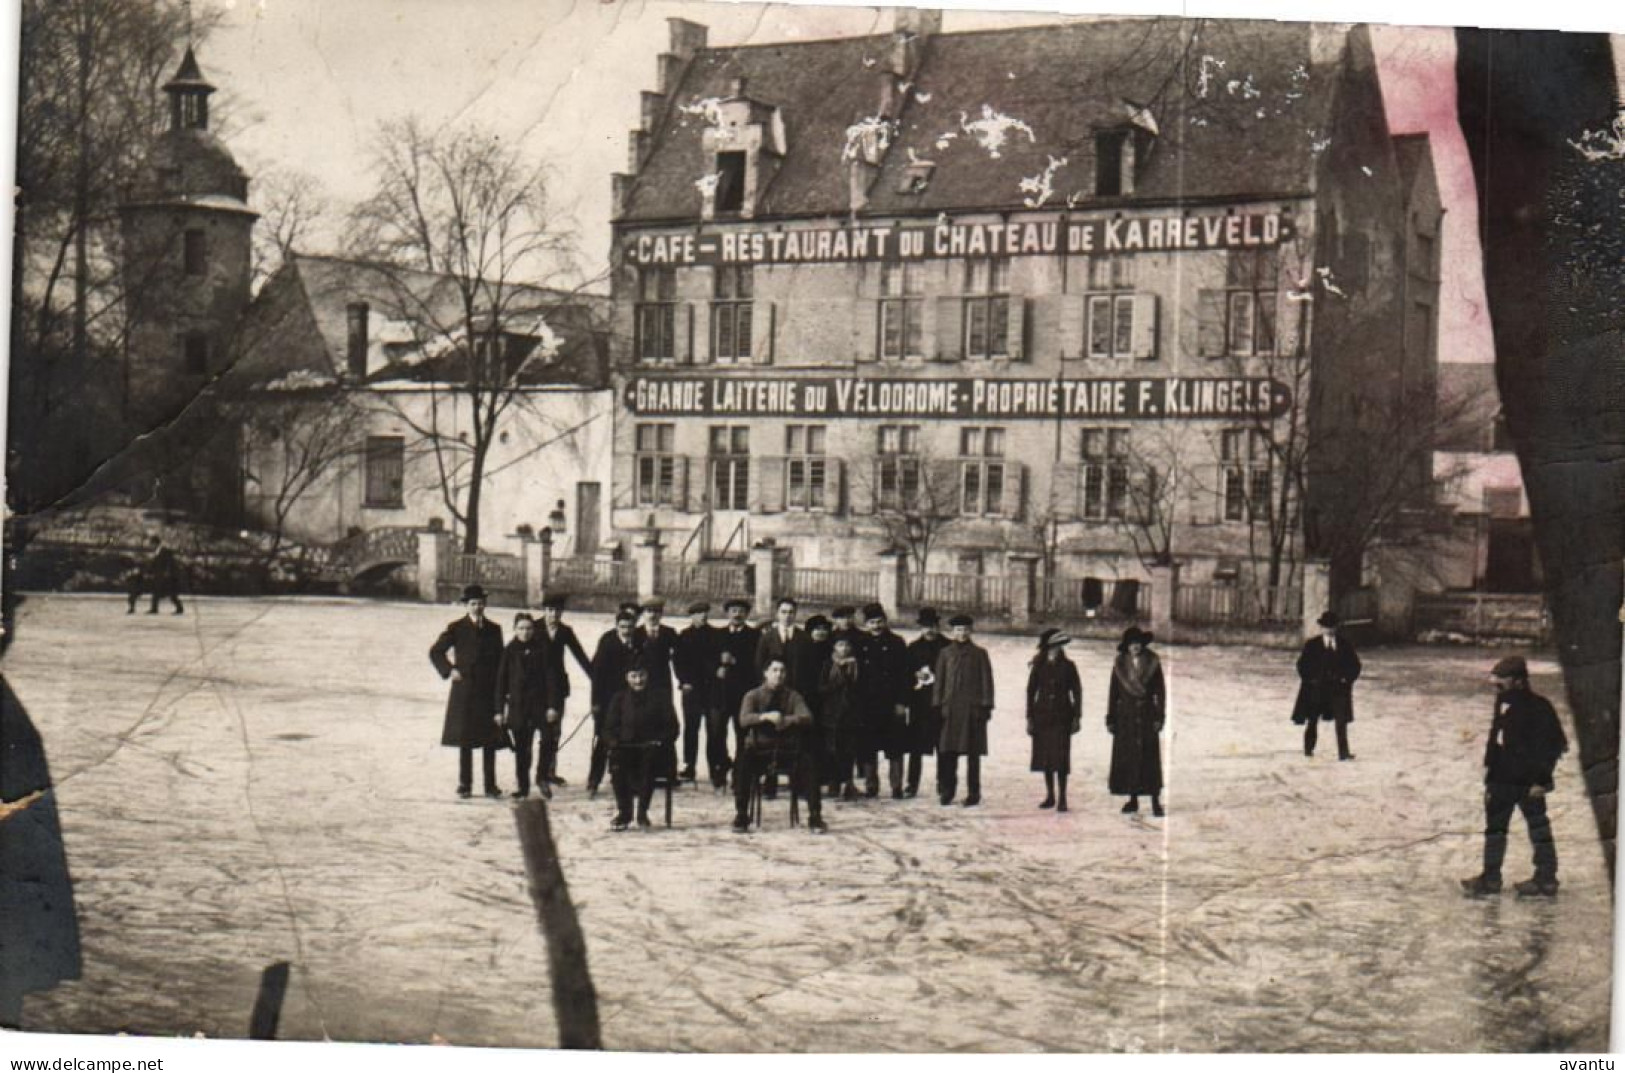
883,663
843,715
1135,712
1526,740
525,691
657,649
805,667
740,674
1054,709
694,659
924,723
610,661
963,694
556,645
1326,681
640,716
476,655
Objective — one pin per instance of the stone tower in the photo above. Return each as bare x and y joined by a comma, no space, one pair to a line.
186,257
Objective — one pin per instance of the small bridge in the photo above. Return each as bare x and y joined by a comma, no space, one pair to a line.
369,552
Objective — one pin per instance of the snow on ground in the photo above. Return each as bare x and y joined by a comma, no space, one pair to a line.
261,780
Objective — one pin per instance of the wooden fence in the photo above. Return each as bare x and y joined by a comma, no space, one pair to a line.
1237,605
822,586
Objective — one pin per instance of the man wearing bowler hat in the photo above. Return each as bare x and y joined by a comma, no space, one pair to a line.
1327,668
474,644
963,693
1525,743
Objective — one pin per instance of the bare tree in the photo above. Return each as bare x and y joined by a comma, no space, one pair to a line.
1155,485
293,211
917,500
296,435
467,209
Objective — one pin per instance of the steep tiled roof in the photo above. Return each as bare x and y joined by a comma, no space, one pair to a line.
299,324
1244,118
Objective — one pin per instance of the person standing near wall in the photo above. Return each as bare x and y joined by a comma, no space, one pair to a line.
1526,740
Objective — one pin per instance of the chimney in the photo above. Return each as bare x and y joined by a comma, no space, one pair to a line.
736,88
687,38
1326,41
912,30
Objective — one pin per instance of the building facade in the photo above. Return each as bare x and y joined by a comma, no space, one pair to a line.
1050,291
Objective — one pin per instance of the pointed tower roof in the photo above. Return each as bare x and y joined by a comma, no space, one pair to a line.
188,76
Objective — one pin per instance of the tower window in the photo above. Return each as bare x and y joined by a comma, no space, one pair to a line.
196,254
1109,156
730,182
356,340
195,353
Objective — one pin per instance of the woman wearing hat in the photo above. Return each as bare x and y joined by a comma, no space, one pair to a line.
1135,712
474,644
1054,714
1327,668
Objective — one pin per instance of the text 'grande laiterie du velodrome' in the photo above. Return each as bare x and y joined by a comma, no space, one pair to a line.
958,398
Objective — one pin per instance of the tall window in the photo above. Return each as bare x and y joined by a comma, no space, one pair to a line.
730,196
901,309
981,471
1244,456
1111,307
805,470
657,465
730,467
1105,473
356,338
899,466
196,254
1250,278
987,307
1110,153
657,313
386,469
195,353
732,287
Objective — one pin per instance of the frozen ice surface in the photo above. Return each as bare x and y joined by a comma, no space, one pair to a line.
262,780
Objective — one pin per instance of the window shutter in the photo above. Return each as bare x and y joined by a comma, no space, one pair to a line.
1210,324
769,491
679,481
1145,326
864,490
703,349
1016,340
950,328
868,334
625,492
1015,480
1070,324
764,323
1066,480
1291,325
683,328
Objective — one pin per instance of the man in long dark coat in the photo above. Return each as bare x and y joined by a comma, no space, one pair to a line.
474,644
527,706
924,725
1136,709
639,730
883,663
963,693
694,660
1526,741
616,654
657,644
736,674
1328,667
558,639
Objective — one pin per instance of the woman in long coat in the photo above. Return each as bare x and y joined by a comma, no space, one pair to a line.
474,644
1135,713
1054,714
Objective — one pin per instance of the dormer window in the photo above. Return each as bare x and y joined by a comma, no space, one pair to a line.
1114,163
730,195
356,338
915,178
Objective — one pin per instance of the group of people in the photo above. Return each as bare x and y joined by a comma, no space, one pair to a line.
824,701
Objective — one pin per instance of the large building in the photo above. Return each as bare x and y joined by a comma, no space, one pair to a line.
1113,293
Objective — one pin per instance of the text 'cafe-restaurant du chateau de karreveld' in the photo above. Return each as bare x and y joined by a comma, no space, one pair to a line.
812,342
